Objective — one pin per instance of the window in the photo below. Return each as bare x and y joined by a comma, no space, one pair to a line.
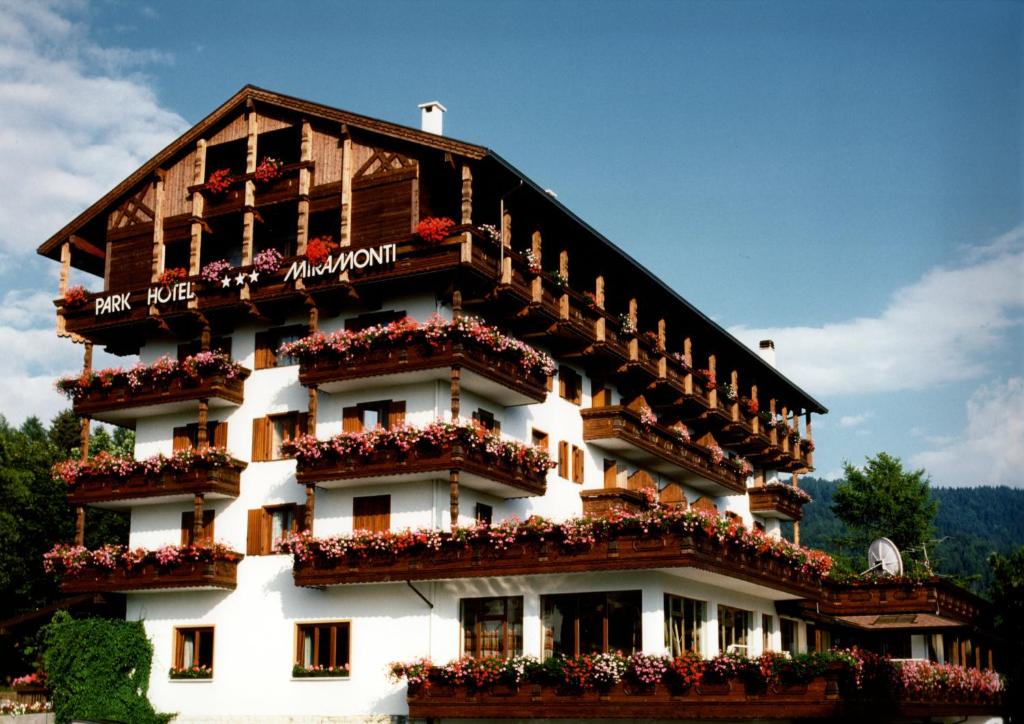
588,623
570,385
563,459
269,432
684,624
484,513
787,629
577,464
539,438
600,396
193,647
187,436
767,632
388,414
492,627
268,342
188,537
373,319
733,629
324,645
372,513
486,420
270,523
217,344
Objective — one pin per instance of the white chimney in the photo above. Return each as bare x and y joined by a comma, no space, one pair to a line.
432,117
767,351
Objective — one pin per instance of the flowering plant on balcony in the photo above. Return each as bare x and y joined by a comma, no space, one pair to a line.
559,279
317,670
212,272
926,680
751,406
319,249
797,495
36,678
76,297
626,324
105,466
532,262
647,417
434,230
267,170
741,464
9,707
491,232
575,534
682,359
190,672
807,445
267,261
162,371
219,182
438,435
729,391
591,299
651,339
717,455
709,378
75,560
348,345
682,432
172,276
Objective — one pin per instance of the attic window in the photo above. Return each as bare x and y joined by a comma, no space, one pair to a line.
891,618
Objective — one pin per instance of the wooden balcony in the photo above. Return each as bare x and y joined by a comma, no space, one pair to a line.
823,698
670,551
619,430
483,371
141,489
477,471
120,404
902,596
599,502
150,576
774,501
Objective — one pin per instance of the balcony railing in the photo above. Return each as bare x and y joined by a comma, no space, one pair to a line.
778,500
220,481
621,430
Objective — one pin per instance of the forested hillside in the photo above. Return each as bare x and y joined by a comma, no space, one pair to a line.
971,523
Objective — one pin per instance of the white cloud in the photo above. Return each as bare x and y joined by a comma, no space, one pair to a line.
940,329
854,420
75,119
989,451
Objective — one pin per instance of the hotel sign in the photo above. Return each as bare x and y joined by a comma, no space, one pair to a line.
159,294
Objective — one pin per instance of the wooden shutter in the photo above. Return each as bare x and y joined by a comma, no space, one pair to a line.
396,414
181,439
371,512
577,464
261,439
601,396
611,474
265,352
187,523
563,459
218,434
302,424
256,532
484,513
300,519
350,420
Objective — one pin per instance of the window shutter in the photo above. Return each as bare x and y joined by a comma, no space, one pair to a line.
611,474
187,523
372,513
496,429
396,414
254,532
302,424
207,533
563,459
261,439
577,464
181,439
300,519
219,434
265,357
350,421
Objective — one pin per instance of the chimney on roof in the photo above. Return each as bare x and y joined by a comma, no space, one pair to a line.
432,117
767,351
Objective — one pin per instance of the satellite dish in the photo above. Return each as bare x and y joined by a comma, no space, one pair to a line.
883,553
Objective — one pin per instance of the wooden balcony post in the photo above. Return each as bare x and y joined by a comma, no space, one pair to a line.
62,287
203,420
314,325
537,284
688,355
506,242
774,432
809,438
785,429
456,380
755,420
453,498
80,526
248,215
198,201
713,374
599,303
310,506
84,435
158,226
563,269
734,408
466,255
305,179
197,518
634,342
662,361
345,230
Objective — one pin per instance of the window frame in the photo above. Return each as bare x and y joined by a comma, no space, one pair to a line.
570,385
363,499
511,641
180,633
699,634
744,647
299,649
268,341
581,601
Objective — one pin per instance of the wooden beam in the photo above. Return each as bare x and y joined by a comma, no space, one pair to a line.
506,242
87,247
158,229
688,356
563,269
453,498
197,519
713,394
456,388
345,230
599,326
305,179
537,285
310,506
248,218
203,419
198,177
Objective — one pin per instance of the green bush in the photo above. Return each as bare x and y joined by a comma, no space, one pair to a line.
99,669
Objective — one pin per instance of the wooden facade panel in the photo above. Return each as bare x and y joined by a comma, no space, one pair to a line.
232,131
360,155
327,157
270,122
136,208
131,263
177,199
383,210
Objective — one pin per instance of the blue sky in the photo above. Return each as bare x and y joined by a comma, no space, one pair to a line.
843,177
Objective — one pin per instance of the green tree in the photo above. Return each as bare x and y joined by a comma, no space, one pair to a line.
65,433
883,499
1007,594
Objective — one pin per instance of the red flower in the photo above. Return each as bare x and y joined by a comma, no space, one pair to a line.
434,230
172,276
220,181
76,296
319,249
